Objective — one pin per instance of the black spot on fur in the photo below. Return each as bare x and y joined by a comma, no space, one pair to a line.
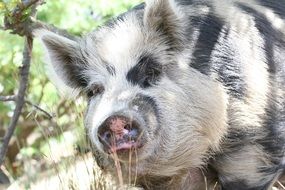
210,28
228,67
274,119
232,142
277,6
269,34
146,73
229,75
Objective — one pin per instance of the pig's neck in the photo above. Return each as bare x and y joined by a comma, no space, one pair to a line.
187,180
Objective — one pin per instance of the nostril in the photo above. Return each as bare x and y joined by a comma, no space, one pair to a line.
133,132
107,135
104,134
127,127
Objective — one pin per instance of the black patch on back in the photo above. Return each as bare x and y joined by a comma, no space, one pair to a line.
232,142
210,28
274,141
225,64
269,34
229,75
277,6
146,73
240,185
228,67
274,119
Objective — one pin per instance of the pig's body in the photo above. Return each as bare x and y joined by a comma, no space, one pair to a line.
183,90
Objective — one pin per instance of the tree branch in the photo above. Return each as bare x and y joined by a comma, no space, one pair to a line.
24,75
19,23
20,20
40,109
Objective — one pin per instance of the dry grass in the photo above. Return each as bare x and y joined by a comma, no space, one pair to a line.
80,173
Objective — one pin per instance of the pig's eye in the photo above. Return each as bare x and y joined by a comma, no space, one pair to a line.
95,90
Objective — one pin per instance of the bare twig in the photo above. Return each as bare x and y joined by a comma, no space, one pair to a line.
14,99
8,98
24,75
40,109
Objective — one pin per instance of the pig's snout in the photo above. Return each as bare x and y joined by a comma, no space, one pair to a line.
119,134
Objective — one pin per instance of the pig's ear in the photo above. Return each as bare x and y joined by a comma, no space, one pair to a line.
66,62
164,17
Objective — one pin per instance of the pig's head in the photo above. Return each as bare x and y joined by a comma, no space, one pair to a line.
144,99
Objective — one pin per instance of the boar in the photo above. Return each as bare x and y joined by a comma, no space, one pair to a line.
182,94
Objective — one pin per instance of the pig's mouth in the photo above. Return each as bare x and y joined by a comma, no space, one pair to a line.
120,135
124,147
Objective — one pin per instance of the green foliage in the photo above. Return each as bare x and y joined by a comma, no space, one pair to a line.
83,18
7,8
28,151
11,47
